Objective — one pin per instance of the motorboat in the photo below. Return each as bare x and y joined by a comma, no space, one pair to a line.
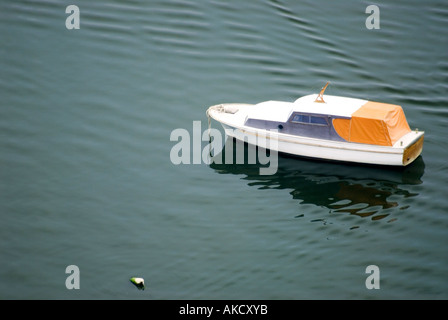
325,127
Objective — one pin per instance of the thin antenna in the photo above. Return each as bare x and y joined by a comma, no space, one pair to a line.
320,96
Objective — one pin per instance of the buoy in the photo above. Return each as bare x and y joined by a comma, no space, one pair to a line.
138,282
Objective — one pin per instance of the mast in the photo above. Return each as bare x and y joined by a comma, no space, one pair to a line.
320,96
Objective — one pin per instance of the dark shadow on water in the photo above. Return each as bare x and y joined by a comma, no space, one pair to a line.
365,191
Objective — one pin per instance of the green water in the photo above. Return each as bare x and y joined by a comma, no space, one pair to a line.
86,177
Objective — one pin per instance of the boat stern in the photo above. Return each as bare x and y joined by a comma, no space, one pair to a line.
412,146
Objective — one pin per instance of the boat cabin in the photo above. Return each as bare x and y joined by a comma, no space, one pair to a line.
336,118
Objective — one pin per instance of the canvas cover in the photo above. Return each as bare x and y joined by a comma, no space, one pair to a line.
374,123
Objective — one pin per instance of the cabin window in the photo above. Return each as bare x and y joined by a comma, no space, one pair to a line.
301,118
318,120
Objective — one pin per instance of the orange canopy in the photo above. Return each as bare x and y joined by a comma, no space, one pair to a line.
374,123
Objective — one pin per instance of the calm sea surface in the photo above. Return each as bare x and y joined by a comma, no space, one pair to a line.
86,177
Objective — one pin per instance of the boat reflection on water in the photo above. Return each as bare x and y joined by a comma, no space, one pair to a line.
365,191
